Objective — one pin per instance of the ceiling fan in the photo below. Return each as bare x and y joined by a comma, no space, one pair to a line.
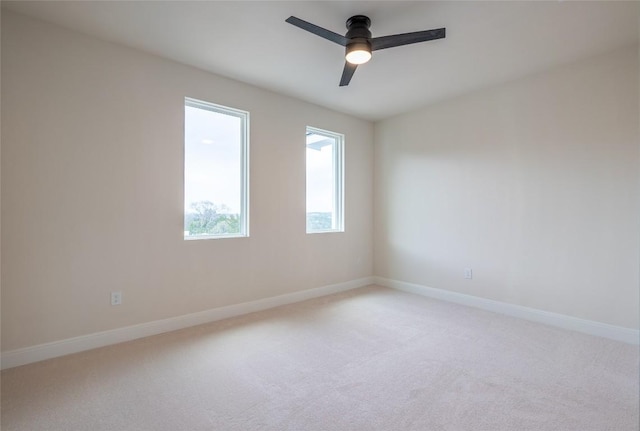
358,42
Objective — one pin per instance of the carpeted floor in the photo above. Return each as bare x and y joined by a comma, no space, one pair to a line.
367,359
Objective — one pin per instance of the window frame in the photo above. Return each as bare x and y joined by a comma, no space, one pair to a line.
338,176
244,165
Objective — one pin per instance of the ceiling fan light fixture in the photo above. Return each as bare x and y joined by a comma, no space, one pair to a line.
359,44
358,53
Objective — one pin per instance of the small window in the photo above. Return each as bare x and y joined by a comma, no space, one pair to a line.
324,181
215,171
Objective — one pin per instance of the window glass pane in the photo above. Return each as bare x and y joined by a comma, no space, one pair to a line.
324,181
214,171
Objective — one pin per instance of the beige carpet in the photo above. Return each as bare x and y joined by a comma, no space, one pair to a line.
368,359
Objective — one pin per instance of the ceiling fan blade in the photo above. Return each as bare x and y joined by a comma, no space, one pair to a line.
406,38
319,31
347,73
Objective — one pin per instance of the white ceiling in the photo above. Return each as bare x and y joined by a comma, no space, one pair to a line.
487,43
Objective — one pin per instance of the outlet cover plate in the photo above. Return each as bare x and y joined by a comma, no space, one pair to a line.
116,298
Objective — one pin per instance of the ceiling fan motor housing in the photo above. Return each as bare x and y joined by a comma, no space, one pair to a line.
358,33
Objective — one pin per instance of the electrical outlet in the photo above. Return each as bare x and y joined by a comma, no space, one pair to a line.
116,298
468,273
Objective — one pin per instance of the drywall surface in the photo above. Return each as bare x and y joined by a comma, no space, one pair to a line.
533,184
92,191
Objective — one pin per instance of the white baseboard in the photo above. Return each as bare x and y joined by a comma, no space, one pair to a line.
54,349
618,333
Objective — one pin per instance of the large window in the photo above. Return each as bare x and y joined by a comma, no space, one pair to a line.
324,181
215,171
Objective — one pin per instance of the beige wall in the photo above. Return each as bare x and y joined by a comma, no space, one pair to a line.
92,197
533,184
